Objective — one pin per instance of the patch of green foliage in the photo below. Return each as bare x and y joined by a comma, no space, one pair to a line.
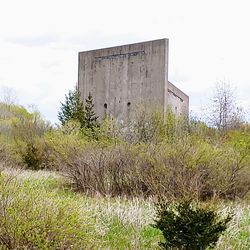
150,156
74,110
38,219
90,118
153,155
39,214
22,134
187,225
43,202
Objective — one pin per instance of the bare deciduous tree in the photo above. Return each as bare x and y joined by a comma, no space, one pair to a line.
8,95
225,113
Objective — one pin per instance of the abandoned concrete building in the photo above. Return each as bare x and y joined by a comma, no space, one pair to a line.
121,78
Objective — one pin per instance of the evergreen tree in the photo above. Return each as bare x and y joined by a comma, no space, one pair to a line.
90,119
72,109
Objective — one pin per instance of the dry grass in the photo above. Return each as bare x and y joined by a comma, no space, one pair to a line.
237,235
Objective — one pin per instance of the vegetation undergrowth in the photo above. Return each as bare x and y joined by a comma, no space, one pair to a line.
115,171
153,154
39,213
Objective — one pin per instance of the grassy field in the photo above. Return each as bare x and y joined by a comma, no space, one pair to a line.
39,210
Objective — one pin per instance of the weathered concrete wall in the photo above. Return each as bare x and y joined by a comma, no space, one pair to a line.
121,77
177,101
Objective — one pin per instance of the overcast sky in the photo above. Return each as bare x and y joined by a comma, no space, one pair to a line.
40,41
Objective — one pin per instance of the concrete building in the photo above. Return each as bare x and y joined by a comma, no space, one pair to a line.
119,78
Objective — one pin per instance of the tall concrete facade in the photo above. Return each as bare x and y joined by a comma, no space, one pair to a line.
119,78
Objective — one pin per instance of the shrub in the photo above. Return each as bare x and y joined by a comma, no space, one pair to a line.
196,169
3,152
188,168
22,134
38,219
8,156
151,126
187,225
34,154
103,170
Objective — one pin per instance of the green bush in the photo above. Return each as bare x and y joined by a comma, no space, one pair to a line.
149,155
38,219
32,155
187,225
22,133
188,168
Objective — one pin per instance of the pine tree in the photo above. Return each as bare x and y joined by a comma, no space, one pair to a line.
72,109
90,119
